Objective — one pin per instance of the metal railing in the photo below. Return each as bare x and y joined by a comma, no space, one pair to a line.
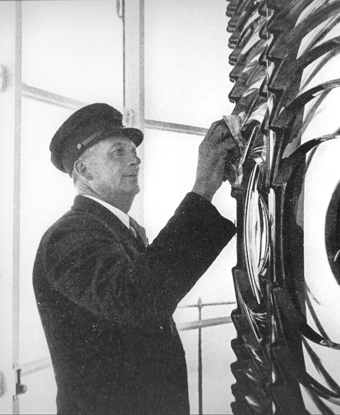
200,324
45,362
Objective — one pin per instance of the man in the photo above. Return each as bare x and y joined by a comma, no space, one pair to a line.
105,298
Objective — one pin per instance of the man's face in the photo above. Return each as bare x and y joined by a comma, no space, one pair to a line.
114,167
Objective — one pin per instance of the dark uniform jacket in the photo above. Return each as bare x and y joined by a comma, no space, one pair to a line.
106,303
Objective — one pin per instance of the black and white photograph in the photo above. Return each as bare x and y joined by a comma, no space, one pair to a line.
170,207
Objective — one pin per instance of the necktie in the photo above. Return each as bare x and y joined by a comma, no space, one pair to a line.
138,231
133,231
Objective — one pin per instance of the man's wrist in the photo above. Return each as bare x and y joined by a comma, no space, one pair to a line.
202,191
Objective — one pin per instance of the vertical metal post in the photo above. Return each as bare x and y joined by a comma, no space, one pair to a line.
200,374
10,127
133,38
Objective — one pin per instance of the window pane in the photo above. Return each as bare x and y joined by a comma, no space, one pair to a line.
186,61
40,397
74,48
169,172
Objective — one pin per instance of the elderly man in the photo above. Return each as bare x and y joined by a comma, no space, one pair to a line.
105,298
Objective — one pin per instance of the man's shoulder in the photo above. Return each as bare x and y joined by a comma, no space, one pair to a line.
86,218
65,224
77,218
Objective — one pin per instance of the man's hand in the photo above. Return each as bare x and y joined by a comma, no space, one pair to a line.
217,146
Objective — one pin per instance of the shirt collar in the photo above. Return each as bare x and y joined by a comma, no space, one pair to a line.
123,217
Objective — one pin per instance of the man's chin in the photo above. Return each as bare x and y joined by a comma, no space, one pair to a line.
135,190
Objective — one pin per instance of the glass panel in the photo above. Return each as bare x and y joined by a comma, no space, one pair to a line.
321,183
186,61
316,214
324,68
321,70
256,233
74,48
325,120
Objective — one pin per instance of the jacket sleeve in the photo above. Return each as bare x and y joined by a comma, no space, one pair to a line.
85,264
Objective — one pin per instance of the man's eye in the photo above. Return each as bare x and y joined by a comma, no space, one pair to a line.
118,152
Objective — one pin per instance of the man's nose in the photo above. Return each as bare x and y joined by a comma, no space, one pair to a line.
135,159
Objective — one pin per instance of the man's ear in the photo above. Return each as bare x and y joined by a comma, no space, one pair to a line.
81,168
